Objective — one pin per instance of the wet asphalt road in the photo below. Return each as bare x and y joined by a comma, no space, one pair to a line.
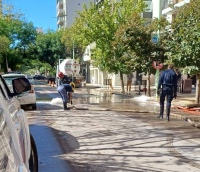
105,141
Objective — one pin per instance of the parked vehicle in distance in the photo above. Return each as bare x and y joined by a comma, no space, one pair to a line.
71,69
78,83
30,78
17,71
39,77
18,148
51,79
28,98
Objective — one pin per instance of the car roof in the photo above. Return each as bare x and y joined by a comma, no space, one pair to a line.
13,75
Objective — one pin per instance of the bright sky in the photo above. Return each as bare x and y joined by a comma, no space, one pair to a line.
41,12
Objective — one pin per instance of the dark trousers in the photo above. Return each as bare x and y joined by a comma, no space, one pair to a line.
169,97
168,94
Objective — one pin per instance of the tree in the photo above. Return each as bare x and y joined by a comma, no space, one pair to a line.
25,34
49,48
4,46
138,51
99,25
73,47
182,40
20,35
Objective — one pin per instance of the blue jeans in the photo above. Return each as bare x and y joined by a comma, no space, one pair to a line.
63,93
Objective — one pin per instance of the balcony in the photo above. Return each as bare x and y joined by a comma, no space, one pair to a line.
60,4
60,13
168,3
169,6
61,21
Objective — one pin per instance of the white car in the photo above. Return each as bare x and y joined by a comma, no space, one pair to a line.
18,148
28,98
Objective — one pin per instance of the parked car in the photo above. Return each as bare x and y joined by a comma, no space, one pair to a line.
25,99
51,79
30,78
18,148
39,77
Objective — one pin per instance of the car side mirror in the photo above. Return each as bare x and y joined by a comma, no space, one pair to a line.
21,85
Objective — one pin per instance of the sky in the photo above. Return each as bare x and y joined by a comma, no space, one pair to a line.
41,12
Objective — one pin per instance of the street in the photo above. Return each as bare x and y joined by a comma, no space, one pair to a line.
102,140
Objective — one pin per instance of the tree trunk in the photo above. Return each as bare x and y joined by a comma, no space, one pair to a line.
197,88
7,70
122,82
148,85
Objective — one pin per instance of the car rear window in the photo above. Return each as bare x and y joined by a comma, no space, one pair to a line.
9,79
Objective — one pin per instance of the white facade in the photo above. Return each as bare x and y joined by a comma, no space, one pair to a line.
67,11
166,9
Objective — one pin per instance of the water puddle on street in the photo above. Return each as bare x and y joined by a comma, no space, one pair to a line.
110,99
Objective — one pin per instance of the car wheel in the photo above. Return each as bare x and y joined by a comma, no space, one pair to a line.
34,107
33,161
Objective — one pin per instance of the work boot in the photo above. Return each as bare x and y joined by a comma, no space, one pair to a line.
168,112
65,106
161,112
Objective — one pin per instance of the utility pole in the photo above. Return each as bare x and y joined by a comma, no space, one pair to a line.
73,62
158,42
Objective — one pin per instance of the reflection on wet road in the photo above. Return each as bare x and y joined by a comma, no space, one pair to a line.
92,97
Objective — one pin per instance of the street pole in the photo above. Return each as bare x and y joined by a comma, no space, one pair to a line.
158,42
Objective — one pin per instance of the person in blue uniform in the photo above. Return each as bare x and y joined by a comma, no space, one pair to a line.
167,87
65,91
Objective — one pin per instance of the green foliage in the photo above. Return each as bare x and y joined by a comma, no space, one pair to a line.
25,33
49,48
134,42
18,35
4,46
71,44
99,25
183,42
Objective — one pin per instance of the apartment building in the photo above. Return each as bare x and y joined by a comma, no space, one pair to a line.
168,11
66,11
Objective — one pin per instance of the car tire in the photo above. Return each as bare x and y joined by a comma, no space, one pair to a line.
33,160
34,107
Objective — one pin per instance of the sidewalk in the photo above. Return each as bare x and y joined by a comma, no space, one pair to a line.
182,108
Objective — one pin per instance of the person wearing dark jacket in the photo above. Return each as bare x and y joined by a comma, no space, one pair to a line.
168,86
63,79
65,91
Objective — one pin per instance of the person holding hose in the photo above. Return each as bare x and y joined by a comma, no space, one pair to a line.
65,91
167,87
